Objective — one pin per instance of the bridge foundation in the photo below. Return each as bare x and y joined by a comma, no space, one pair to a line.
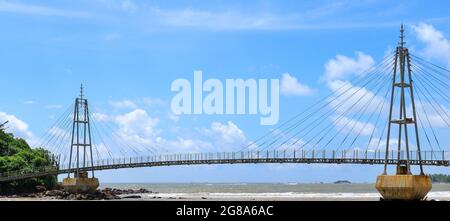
403,187
80,184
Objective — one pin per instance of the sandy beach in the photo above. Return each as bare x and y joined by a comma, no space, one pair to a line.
438,196
252,192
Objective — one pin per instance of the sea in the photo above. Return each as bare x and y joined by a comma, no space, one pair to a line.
266,191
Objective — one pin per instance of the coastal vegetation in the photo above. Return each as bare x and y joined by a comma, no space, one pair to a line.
16,154
440,178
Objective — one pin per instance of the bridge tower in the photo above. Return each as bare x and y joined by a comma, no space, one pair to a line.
403,185
81,150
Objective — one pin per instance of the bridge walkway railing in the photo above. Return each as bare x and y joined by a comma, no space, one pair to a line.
437,158
275,154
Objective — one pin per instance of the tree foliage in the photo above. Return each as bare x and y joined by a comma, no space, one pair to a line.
440,178
16,154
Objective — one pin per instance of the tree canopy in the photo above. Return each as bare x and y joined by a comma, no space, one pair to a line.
440,178
16,154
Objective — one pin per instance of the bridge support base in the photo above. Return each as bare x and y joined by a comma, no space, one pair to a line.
80,184
404,187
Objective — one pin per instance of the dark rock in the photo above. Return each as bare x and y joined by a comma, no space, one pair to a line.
40,189
131,197
104,194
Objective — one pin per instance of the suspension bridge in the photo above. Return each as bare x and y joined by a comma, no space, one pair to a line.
352,125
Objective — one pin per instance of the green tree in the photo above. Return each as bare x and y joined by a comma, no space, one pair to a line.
16,154
440,178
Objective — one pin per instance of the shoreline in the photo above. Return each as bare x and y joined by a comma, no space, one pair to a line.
225,192
432,196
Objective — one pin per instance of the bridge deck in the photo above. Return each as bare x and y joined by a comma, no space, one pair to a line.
429,158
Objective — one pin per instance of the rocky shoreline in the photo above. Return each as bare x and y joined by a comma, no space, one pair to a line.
102,194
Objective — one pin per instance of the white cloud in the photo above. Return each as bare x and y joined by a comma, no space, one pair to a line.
437,45
232,19
219,137
229,132
128,5
100,117
103,152
183,145
226,137
137,123
349,125
132,104
151,102
136,131
55,131
16,126
123,104
377,144
438,115
125,5
28,9
350,98
173,117
220,20
62,136
29,102
291,86
342,66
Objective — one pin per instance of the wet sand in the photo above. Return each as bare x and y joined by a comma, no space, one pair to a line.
438,196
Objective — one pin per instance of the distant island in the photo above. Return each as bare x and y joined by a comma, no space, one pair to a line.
342,182
440,178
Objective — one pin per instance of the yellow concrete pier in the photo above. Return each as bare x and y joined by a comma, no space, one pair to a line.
80,184
405,187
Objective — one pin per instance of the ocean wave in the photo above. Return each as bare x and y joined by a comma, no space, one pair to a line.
284,195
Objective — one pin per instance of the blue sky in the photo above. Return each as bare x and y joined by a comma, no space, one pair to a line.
128,52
